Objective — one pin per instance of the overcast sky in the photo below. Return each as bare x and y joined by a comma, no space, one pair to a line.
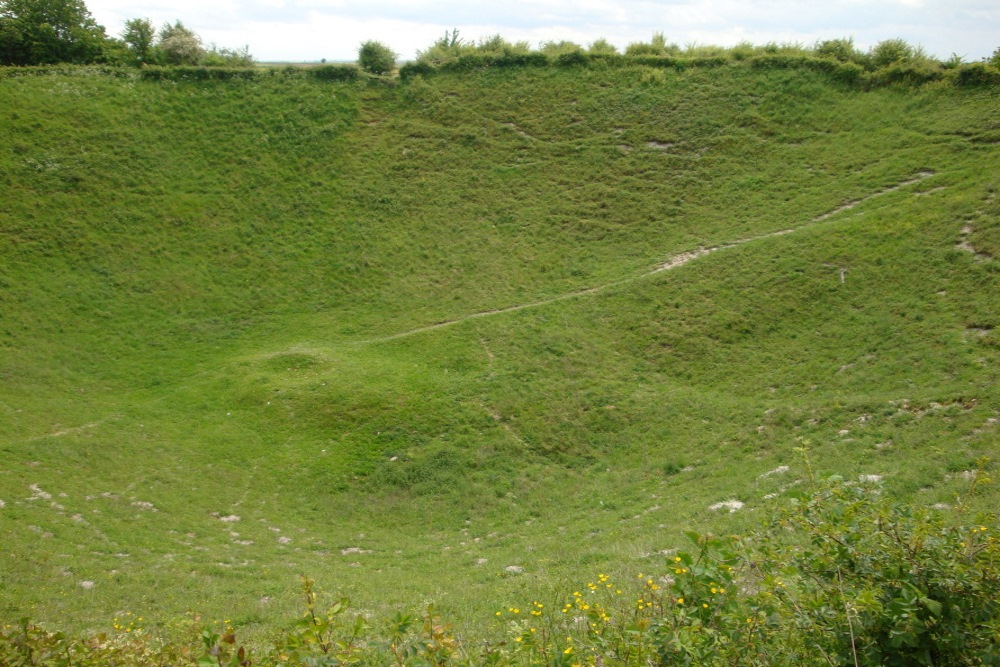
308,30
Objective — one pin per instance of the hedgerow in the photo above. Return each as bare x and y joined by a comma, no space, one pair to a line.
891,62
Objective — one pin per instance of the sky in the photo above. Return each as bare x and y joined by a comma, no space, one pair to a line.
310,30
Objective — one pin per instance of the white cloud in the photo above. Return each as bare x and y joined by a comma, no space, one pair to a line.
297,30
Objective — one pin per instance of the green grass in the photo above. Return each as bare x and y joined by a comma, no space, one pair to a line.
200,284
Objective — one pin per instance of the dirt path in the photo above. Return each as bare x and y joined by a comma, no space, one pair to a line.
671,263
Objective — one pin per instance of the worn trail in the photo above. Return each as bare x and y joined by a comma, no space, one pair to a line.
671,263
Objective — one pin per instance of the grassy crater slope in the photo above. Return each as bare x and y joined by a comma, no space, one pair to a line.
219,365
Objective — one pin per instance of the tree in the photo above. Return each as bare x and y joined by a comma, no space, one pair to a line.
140,34
34,32
376,58
180,45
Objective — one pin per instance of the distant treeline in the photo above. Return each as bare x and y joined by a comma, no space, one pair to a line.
55,32
48,32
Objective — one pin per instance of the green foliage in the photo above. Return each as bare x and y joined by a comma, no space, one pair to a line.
450,52
893,62
742,51
953,62
140,36
477,61
323,635
198,73
977,74
556,49
35,32
882,583
415,68
179,45
498,46
840,49
335,72
217,56
446,48
569,58
893,52
602,47
376,58
908,73
657,46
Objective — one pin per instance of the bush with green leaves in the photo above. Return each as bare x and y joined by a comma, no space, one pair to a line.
602,47
840,49
554,49
497,45
376,58
218,56
657,46
976,75
891,51
448,47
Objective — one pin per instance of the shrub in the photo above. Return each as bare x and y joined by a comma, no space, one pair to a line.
602,47
976,74
497,45
555,49
199,73
840,49
473,61
908,73
848,72
568,58
416,68
657,46
742,51
376,58
445,48
223,57
334,72
892,51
